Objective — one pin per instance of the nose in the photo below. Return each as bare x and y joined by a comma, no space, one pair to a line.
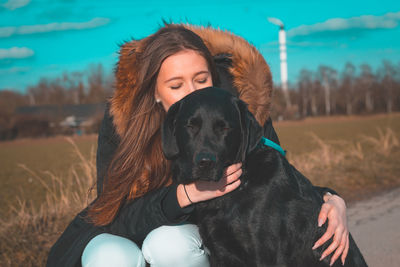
191,87
205,160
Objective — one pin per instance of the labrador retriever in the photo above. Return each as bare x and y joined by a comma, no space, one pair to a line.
271,219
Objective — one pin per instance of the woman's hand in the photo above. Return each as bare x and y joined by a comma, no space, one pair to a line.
205,190
334,209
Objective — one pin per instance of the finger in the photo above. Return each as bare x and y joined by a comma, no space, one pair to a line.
335,243
223,182
229,188
328,234
323,214
233,168
340,249
346,250
234,176
227,179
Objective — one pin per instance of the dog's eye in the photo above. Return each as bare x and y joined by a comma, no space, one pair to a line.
225,129
191,127
222,126
193,124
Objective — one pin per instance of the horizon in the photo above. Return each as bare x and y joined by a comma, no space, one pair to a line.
44,39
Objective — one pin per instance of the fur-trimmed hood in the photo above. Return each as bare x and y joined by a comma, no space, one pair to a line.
251,74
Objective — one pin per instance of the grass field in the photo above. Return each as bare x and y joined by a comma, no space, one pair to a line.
356,156
295,135
56,155
45,157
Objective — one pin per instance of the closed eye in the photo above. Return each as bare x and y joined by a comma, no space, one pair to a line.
203,81
175,87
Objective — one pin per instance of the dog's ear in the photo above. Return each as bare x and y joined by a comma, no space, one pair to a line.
169,144
251,131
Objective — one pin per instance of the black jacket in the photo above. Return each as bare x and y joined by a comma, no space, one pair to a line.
246,75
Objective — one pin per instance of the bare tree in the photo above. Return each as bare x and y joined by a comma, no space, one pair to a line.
305,84
397,88
96,82
73,84
328,79
9,101
348,79
316,89
387,75
366,80
40,93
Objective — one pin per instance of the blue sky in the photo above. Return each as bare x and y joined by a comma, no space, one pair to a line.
45,38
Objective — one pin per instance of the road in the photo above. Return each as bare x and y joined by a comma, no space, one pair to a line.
375,226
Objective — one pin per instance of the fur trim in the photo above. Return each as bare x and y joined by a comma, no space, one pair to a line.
251,74
126,73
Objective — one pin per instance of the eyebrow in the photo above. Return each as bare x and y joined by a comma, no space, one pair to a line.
179,77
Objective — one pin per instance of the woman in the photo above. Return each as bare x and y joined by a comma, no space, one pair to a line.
137,204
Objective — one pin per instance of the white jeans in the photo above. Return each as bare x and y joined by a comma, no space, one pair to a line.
166,246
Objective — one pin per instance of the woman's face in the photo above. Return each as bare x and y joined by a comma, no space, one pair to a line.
180,74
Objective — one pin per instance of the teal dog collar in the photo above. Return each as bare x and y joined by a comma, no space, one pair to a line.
274,145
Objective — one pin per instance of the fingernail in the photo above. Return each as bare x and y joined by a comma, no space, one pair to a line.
315,246
320,221
322,257
331,263
343,261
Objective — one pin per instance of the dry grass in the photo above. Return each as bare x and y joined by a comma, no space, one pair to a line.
46,157
349,167
27,235
385,143
354,169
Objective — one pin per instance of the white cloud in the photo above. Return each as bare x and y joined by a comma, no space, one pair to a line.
7,31
303,44
52,27
16,52
341,25
310,44
14,70
15,4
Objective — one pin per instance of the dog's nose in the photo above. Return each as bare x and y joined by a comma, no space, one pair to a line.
206,163
205,160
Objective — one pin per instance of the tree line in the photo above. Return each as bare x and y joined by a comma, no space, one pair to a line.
90,86
352,90
323,92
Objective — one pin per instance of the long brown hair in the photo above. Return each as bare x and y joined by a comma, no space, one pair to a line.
138,165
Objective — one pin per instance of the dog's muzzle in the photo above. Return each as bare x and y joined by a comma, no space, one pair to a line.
205,160
206,164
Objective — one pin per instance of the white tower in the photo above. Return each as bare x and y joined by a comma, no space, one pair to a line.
283,57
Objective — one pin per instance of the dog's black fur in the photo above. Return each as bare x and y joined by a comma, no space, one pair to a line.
271,220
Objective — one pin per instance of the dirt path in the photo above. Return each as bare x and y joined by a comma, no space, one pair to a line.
375,226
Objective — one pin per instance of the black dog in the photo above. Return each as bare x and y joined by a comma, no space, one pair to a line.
271,220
